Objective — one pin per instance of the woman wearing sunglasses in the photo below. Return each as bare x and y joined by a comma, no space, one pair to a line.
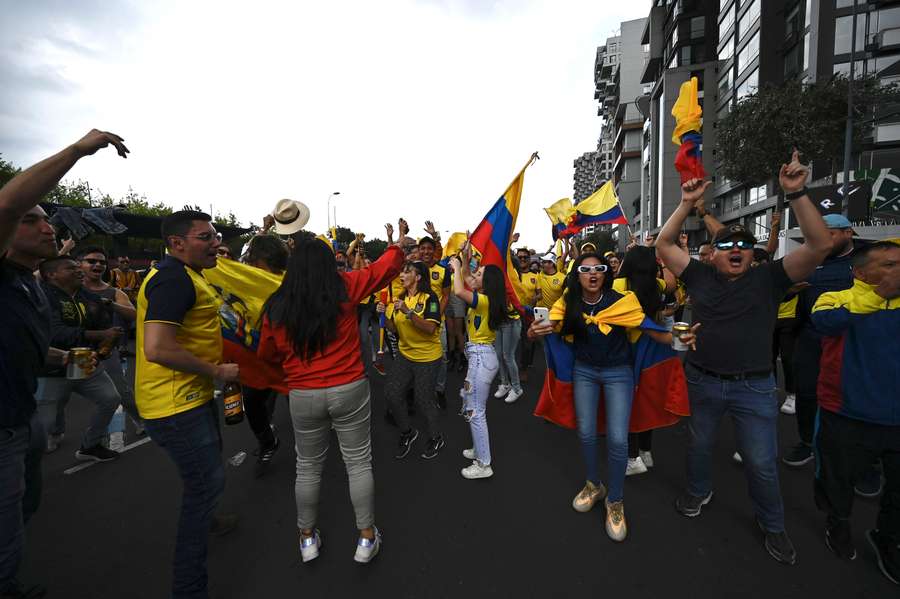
588,313
488,311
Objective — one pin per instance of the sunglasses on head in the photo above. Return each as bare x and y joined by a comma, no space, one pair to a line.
585,268
741,244
93,261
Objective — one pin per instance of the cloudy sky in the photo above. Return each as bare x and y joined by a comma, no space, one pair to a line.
424,109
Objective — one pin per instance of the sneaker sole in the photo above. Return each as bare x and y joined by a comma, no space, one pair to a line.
432,456
798,463
478,476
867,495
408,447
788,412
693,514
777,557
634,472
870,537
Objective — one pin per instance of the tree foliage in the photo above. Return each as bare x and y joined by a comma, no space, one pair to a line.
760,132
374,248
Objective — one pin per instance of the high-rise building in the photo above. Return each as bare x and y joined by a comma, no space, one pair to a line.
588,175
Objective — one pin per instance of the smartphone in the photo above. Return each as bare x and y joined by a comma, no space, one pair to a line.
541,314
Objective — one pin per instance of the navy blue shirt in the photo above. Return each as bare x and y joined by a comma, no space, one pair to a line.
835,274
597,349
24,341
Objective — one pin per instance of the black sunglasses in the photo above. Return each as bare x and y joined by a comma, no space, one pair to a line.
93,261
742,244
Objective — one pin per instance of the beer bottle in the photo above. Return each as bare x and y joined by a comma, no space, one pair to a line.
234,403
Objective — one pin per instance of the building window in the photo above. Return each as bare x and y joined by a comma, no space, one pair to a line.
675,34
888,18
732,201
758,224
727,50
792,22
748,19
806,51
843,33
749,86
726,23
748,53
756,194
697,27
726,82
673,62
844,68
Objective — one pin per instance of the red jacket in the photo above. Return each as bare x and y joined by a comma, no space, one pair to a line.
340,363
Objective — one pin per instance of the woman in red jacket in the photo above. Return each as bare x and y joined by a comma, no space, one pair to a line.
309,327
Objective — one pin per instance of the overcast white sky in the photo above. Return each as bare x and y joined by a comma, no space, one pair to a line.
424,110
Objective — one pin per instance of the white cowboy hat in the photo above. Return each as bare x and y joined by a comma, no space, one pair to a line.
290,216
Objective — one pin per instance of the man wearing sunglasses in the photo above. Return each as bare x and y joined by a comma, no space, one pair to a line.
731,369
179,354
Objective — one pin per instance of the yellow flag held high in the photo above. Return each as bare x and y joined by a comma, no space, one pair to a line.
687,111
454,244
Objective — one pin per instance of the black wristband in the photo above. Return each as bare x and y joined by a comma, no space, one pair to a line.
796,194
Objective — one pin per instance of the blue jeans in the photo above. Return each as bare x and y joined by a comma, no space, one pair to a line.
476,388
193,442
753,407
617,385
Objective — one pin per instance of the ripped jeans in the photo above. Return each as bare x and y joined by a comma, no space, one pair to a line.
483,367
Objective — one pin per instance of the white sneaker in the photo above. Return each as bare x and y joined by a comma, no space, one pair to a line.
501,391
635,466
647,458
477,470
790,404
309,547
469,454
737,457
366,549
513,396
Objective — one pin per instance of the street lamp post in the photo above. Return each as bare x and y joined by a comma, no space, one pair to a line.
328,209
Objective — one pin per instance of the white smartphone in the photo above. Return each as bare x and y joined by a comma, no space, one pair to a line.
541,314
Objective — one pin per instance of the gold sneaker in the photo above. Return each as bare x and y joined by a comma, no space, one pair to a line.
615,521
588,496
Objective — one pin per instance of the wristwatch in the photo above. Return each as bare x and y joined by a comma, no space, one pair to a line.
796,194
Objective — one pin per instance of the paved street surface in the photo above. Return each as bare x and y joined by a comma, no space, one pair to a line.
108,531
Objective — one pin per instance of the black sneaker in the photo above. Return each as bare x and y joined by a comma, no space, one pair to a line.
264,458
222,524
869,484
799,455
839,540
888,564
779,546
690,505
97,453
16,590
405,444
433,447
441,398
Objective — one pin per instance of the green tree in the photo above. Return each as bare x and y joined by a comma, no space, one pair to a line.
344,235
7,171
759,133
229,219
374,248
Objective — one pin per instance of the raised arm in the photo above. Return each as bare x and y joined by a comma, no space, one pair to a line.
25,190
774,229
667,248
800,263
711,223
461,273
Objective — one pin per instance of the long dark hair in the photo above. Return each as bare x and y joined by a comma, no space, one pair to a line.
308,303
573,322
493,285
423,286
640,270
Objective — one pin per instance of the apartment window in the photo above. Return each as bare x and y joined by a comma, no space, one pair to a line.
883,19
843,30
806,51
748,53
747,21
732,201
613,58
749,86
723,111
792,61
727,50
697,27
792,22
673,62
722,4
726,23
843,68
726,82
844,3
756,194
759,225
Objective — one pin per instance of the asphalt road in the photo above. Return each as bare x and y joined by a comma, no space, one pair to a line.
108,531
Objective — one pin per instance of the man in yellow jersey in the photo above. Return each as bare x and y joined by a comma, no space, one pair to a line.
179,350
439,280
551,280
526,293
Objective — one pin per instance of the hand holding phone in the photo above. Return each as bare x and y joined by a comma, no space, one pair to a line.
541,314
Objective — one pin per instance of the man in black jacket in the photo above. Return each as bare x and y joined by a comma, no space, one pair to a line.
69,328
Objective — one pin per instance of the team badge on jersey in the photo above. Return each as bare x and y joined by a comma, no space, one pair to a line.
435,276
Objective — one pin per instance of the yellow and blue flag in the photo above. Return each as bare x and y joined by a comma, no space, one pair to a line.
600,208
687,113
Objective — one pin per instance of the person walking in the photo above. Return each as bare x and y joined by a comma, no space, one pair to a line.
309,328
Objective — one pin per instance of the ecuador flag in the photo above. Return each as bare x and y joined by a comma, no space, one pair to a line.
687,113
492,237
600,208
660,394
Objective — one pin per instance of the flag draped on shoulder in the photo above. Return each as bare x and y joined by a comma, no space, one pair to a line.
493,235
600,208
243,291
660,394
687,132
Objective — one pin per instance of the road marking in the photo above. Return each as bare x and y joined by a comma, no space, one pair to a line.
85,465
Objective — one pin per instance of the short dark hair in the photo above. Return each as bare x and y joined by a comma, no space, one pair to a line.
861,254
51,265
91,249
179,223
269,250
427,240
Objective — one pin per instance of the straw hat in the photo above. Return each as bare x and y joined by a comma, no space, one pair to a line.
290,216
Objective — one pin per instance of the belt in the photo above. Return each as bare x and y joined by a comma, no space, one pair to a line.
740,376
